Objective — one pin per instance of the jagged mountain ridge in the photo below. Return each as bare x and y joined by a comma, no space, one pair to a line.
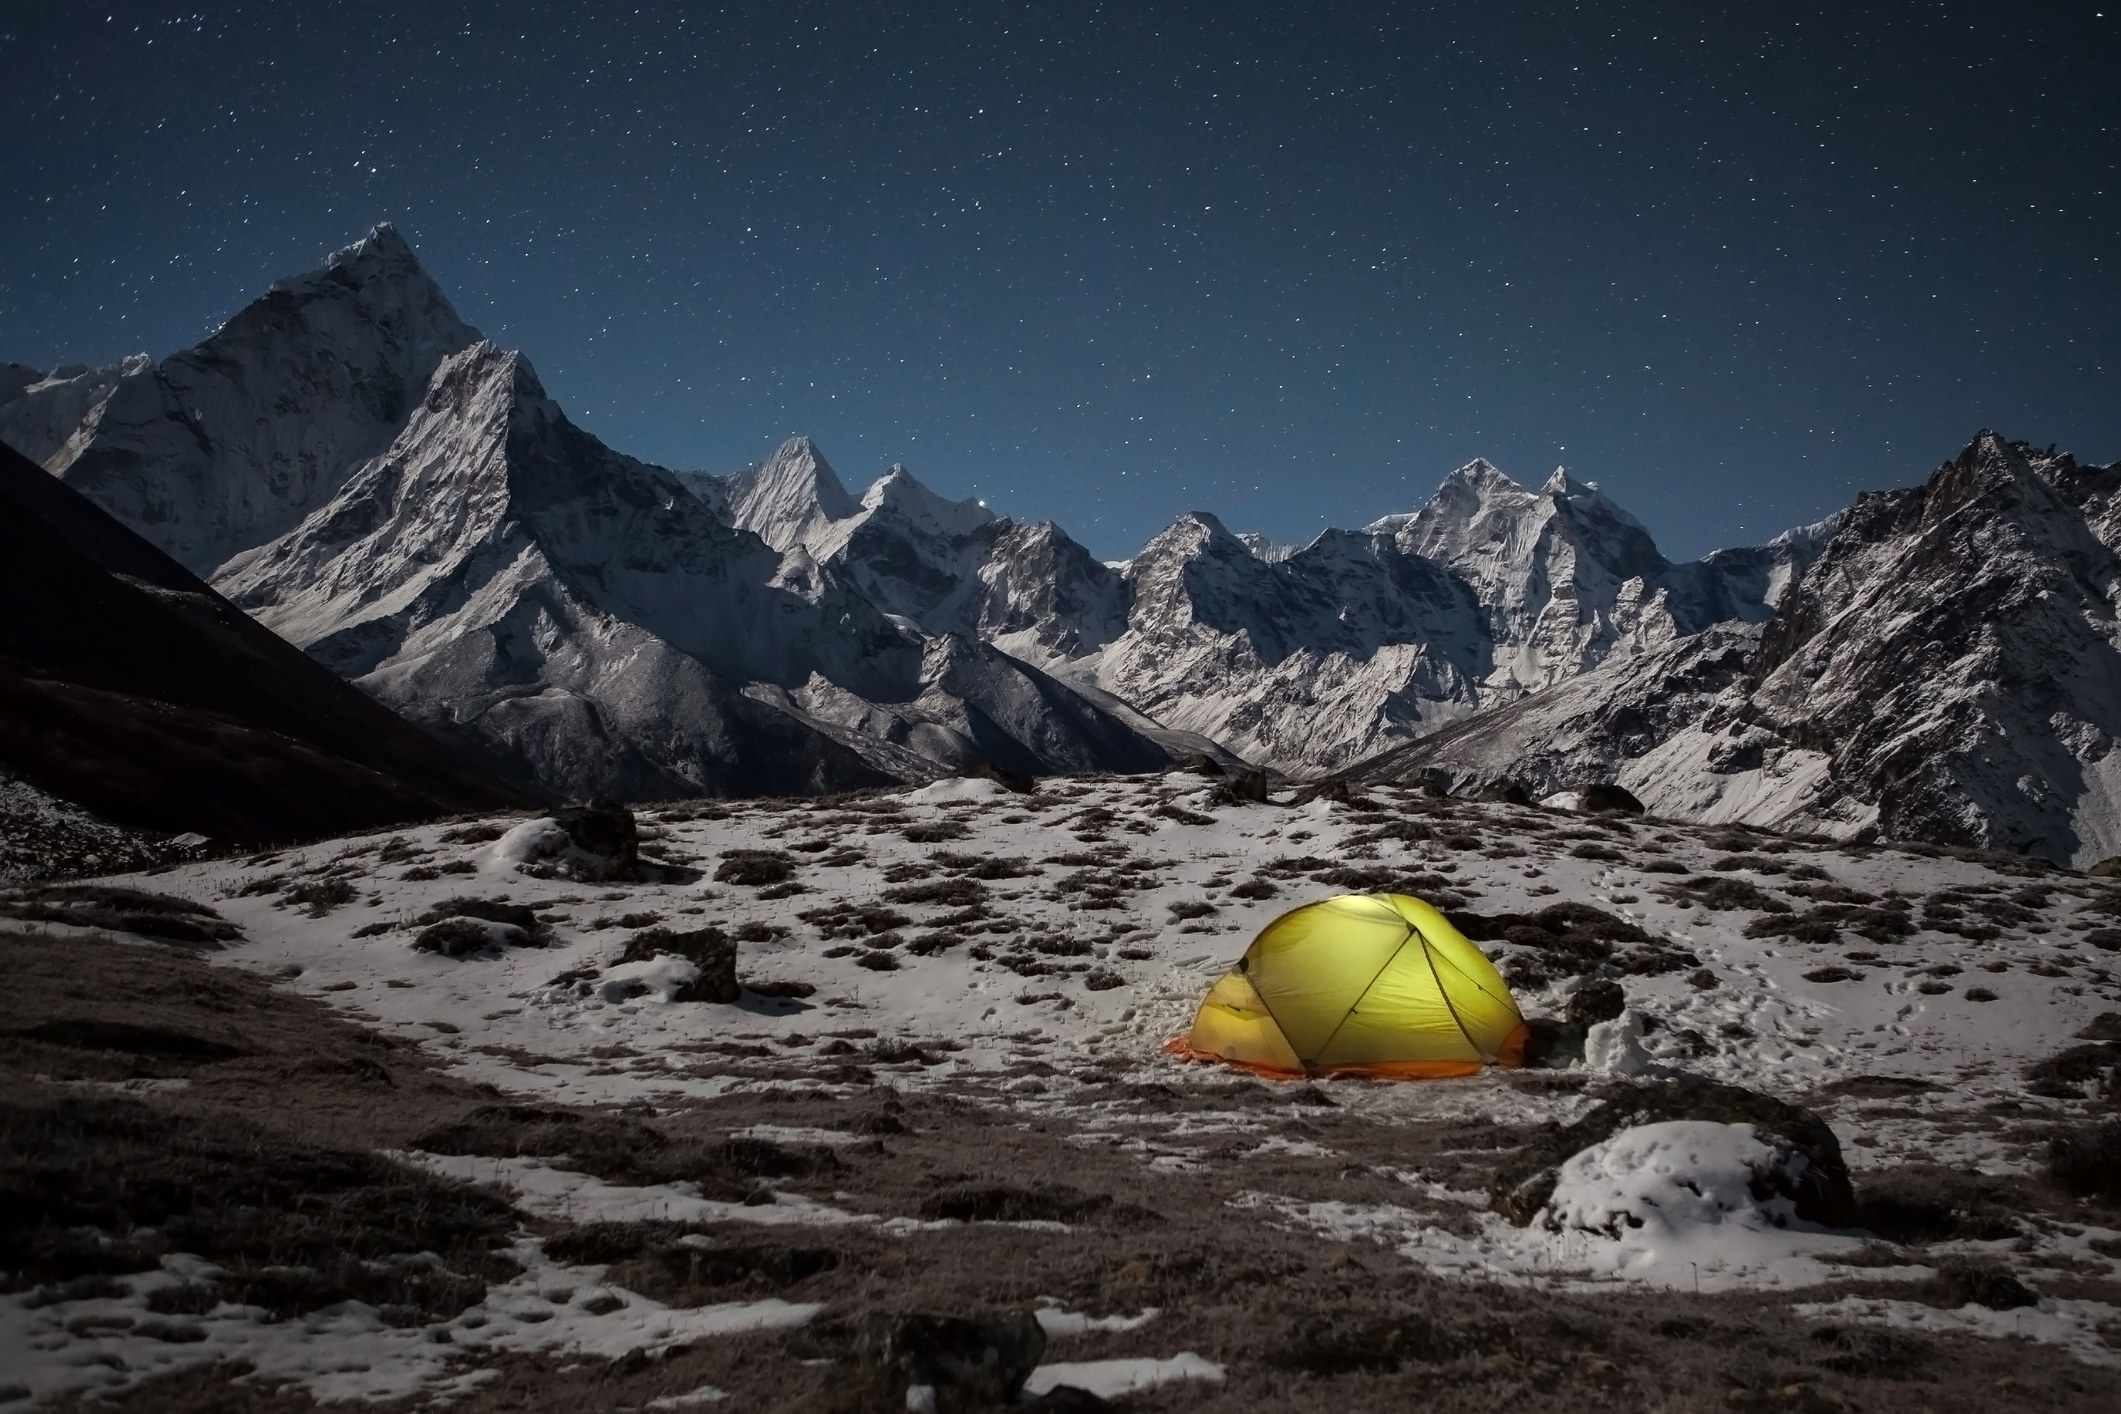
1948,669
1307,659
584,620
1302,659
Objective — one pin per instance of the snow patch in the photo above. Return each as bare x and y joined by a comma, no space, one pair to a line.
527,843
955,790
544,1190
798,1134
705,1394
346,1351
1056,1322
1109,1379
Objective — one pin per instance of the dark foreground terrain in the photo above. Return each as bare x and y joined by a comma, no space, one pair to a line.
156,1103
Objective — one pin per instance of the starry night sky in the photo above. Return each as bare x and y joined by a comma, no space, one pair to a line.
1106,263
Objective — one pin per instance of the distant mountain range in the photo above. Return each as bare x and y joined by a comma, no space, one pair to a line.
1948,668
364,474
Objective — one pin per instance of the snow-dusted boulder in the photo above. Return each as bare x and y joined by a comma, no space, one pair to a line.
1818,1191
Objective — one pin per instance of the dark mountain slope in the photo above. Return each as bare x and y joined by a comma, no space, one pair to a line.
132,689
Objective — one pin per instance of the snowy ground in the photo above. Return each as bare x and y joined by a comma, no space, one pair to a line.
1029,956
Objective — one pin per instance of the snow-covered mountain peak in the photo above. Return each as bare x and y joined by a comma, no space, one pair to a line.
1480,472
1989,464
376,286
381,254
1475,507
1189,534
1463,495
790,498
221,447
899,493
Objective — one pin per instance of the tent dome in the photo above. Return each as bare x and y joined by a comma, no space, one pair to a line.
1361,984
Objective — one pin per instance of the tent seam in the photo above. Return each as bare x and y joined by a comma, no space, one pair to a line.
1428,955
1413,933
1309,1071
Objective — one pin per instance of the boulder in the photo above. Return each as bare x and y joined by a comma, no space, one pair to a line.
1333,788
1600,999
1504,793
709,949
968,1363
1197,763
603,831
1523,1182
1605,798
1014,781
1244,788
2085,1159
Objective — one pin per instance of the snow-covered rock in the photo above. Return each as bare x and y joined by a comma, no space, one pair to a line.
1615,1047
1659,1202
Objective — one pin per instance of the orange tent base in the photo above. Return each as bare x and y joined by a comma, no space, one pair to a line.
1512,1055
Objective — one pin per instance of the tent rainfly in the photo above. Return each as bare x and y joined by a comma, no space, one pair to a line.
1362,984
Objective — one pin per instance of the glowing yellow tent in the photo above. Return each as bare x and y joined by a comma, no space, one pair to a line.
1362,984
